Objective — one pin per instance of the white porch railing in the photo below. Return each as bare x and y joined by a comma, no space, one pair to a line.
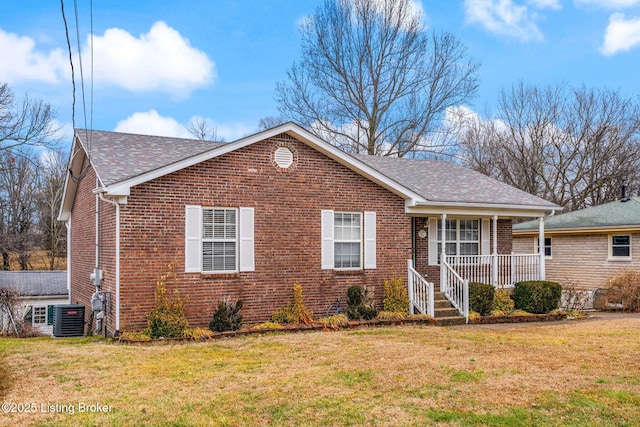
420,292
455,288
498,270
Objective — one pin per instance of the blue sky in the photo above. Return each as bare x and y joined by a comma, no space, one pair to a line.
159,64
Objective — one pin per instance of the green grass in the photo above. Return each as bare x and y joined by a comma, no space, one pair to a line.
409,375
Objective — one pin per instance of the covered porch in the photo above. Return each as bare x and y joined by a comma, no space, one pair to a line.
463,249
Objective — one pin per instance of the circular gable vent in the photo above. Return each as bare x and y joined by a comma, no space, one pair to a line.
283,157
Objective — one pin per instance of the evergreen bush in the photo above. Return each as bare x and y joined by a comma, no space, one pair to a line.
395,299
537,296
227,316
481,298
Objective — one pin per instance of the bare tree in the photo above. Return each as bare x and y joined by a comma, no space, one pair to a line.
18,191
53,172
201,128
29,122
372,80
270,122
572,146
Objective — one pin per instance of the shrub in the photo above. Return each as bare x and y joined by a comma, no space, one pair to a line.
336,321
396,299
167,319
198,334
267,326
481,298
391,315
537,296
360,304
354,296
296,312
227,316
625,290
502,302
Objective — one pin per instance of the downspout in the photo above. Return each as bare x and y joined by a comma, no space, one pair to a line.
117,205
67,223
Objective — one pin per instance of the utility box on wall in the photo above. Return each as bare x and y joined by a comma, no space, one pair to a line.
68,320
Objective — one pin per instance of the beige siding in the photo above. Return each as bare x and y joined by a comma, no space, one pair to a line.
581,260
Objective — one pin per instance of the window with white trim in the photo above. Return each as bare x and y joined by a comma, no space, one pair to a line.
348,240
547,246
219,240
347,232
463,237
39,315
620,247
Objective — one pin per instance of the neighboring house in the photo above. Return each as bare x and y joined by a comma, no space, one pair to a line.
38,292
587,247
250,218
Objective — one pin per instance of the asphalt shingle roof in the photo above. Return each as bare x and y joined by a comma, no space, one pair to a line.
613,214
441,181
35,283
117,157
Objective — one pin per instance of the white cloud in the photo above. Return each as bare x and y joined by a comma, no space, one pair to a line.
20,61
503,17
608,4
152,123
160,60
545,4
622,34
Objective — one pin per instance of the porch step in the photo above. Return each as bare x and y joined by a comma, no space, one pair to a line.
444,313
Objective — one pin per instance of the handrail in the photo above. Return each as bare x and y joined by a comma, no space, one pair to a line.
456,289
499,270
421,292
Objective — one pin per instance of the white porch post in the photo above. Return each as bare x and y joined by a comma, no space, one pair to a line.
410,285
443,254
541,247
494,260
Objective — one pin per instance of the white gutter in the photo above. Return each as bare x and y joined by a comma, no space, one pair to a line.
117,205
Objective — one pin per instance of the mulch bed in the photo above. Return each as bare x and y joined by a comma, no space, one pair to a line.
551,317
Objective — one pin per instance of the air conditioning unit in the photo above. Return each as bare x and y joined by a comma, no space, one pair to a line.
68,320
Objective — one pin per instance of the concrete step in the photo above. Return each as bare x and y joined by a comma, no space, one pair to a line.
441,303
445,312
450,321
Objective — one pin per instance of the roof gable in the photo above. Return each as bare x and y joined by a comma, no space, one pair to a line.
122,161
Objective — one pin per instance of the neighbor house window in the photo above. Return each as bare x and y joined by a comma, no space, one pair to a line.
39,315
463,237
347,229
620,247
219,240
547,246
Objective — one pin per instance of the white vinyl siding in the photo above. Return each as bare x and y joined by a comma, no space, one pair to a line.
219,240
348,240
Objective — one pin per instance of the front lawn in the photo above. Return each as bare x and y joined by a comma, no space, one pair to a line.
575,373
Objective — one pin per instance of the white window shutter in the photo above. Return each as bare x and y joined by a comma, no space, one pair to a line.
192,239
369,240
486,237
327,239
433,241
247,255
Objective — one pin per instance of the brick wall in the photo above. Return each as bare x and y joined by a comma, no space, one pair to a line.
83,245
287,230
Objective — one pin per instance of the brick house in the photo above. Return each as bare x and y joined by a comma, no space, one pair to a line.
250,218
